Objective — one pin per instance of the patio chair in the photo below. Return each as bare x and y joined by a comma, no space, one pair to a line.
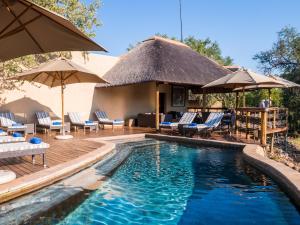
212,122
104,120
9,124
187,118
76,122
45,122
10,150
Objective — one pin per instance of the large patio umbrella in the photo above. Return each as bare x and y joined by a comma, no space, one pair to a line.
60,72
282,83
241,79
27,28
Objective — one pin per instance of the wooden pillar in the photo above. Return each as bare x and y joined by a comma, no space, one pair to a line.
204,96
244,98
273,135
247,124
236,99
236,123
157,106
62,108
269,90
263,131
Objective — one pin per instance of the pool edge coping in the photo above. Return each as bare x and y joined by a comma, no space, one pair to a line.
287,178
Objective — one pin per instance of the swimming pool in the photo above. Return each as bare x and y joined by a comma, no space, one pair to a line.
169,183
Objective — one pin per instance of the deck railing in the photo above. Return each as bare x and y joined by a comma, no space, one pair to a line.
256,123
261,122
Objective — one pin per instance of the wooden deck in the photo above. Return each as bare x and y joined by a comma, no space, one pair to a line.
63,151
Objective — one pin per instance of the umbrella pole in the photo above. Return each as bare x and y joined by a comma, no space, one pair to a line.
244,98
269,97
62,109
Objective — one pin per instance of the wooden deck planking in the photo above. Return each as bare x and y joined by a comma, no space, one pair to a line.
63,151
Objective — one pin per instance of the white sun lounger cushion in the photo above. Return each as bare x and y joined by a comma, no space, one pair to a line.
44,118
22,146
102,117
76,119
8,139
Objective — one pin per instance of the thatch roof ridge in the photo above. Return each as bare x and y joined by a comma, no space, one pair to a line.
162,60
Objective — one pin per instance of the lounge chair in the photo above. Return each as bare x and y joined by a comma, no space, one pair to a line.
9,124
187,118
45,122
19,149
104,120
212,122
76,122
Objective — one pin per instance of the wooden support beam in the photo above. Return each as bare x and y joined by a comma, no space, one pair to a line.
204,99
263,131
247,124
244,98
157,106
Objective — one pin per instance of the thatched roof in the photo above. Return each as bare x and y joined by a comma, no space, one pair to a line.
163,60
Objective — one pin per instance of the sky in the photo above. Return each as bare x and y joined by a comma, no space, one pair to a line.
242,28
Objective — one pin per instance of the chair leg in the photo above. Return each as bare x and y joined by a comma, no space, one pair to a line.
33,159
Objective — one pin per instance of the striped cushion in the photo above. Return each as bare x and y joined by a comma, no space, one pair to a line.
7,119
102,116
7,139
75,117
187,118
22,146
43,118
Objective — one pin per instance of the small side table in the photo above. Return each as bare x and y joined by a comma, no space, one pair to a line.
30,128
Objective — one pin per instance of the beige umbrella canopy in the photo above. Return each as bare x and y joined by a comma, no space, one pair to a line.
59,72
242,79
27,28
282,83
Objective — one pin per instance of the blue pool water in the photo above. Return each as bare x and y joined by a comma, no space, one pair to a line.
167,183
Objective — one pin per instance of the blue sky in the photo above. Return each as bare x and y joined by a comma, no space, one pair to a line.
241,27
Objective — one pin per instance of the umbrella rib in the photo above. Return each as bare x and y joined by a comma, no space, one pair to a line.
18,19
36,76
79,35
71,74
20,28
19,16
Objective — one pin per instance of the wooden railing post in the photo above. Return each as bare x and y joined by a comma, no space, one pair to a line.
247,124
263,132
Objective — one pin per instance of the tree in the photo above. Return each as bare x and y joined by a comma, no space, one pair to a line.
206,47
284,58
83,15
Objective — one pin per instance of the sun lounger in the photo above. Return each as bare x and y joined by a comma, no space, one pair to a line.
104,120
11,139
76,122
212,122
9,124
45,122
19,149
187,118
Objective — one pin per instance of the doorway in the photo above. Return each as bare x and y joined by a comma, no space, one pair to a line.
162,103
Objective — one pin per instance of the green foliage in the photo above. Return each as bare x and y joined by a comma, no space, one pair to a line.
284,57
253,98
83,15
209,48
206,47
